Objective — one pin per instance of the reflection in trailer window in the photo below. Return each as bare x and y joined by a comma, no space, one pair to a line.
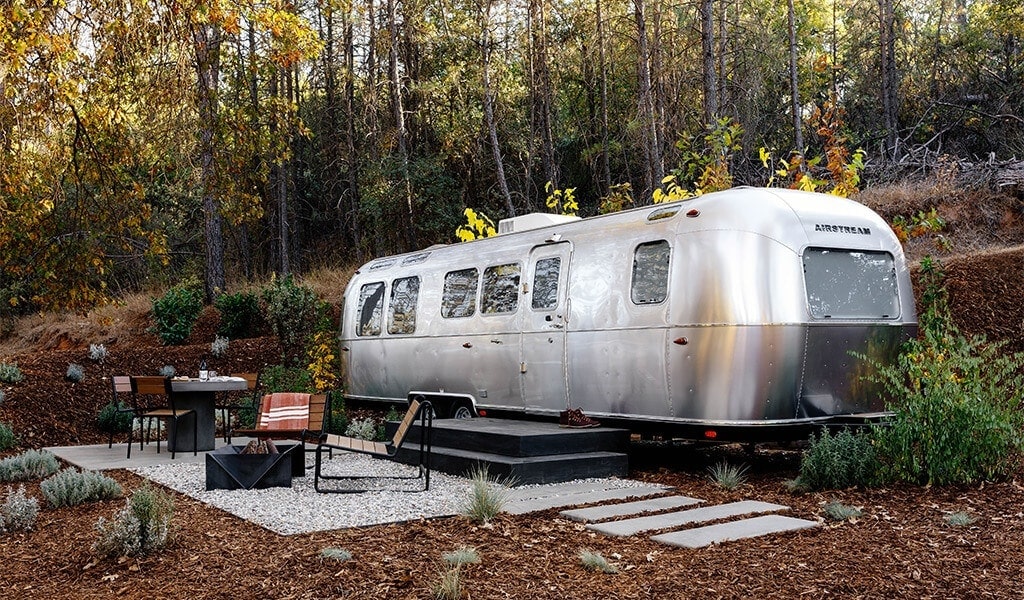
402,310
459,296
501,289
850,284
545,283
650,273
371,301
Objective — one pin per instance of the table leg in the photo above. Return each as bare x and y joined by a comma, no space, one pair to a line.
179,439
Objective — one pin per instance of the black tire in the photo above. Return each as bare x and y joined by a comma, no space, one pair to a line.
461,410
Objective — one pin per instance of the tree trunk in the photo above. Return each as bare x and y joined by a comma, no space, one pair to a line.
606,171
707,40
654,171
887,55
492,128
206,40
401,133
794,87
541,90
352,148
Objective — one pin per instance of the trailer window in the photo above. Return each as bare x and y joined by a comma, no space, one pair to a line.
459,296
501,289
371,301
850,284
545,283
650,273
402,310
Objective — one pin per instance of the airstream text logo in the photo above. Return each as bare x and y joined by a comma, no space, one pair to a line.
842,229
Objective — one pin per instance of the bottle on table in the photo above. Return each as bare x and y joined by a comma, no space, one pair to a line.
204,373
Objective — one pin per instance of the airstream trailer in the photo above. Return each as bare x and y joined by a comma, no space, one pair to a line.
735,316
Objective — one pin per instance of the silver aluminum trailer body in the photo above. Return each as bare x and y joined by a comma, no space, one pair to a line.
738,311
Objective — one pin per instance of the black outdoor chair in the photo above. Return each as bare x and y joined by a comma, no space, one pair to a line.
160,405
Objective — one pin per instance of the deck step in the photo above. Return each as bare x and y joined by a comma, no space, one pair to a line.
700,537
685,517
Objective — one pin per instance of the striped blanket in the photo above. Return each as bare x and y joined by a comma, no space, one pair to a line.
284,411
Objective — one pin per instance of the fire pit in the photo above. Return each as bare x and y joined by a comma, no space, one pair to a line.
231,468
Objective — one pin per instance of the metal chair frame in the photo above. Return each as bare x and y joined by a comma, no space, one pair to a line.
159,386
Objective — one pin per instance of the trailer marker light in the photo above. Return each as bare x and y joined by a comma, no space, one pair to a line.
482,413
693,212
682,341
710,434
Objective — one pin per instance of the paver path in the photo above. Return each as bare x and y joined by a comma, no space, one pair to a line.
734,530
685,517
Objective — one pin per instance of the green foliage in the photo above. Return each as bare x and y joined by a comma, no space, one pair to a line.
838,461
337,421
72,487
240,315
957,402
561,202
594,561
31,464
167,371
449,583
280,378
141,527
176,312
18,512
97,353
294,314
837,511
75,373
959,519
920,224
7,438
219,346
477,226
337,554
363,429
487,496
728,476
10,373
463,555
114,418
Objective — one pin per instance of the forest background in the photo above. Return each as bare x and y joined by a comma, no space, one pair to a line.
147,142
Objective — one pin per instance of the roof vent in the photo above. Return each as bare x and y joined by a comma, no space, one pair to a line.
532,221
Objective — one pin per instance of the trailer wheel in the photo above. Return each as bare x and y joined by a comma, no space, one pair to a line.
462,410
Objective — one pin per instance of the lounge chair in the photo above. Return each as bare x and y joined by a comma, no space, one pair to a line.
419,409
286,415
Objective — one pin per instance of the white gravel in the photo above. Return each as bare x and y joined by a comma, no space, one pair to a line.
300,509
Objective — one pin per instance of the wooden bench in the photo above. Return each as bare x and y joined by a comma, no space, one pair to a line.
419,410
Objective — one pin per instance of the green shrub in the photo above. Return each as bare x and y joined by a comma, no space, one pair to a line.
114,418
175,314
839,461
364,429
279,378
449,583
97,353
728,476
959,519
31,464
71,487
167,371
338,554
957,403
487,496
10,373
7,438
593,561
239,315
837,511
293,312
461,556
337,421
141,527
18,512
75,373
219,346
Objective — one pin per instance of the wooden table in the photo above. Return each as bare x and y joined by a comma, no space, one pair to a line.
200,396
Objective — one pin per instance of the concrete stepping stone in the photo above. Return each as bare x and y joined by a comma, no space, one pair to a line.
700,537
529,504
685,517
610,511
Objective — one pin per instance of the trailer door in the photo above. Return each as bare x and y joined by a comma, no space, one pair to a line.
545,386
